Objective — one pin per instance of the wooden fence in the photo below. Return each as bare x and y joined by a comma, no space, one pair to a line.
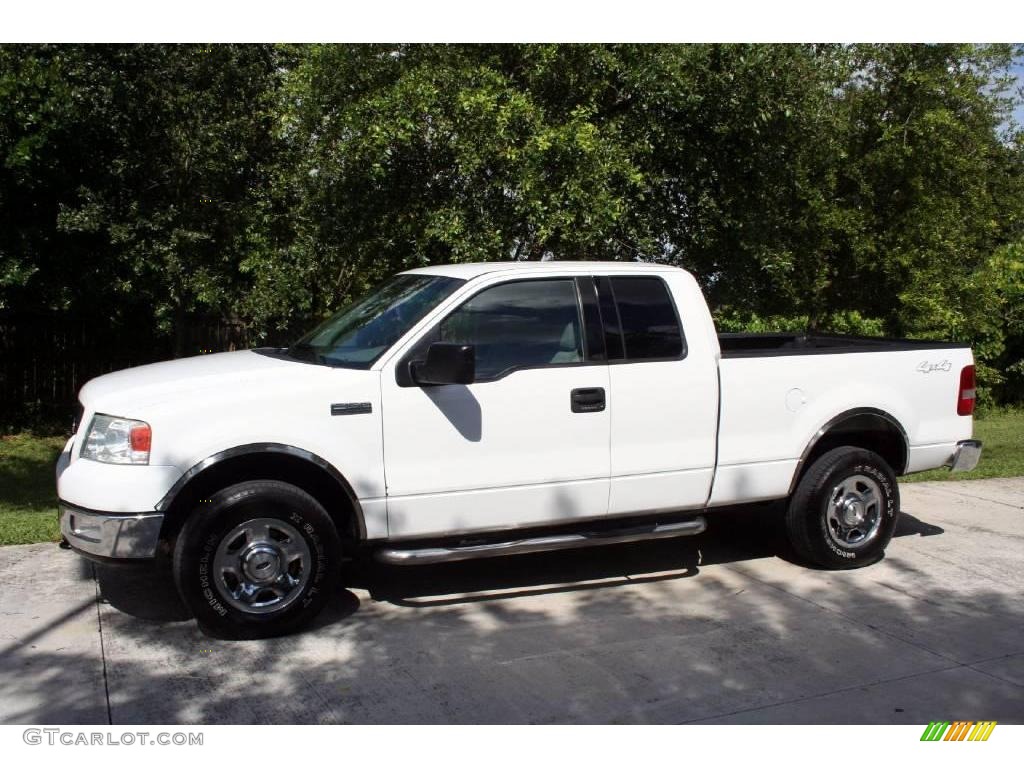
46,358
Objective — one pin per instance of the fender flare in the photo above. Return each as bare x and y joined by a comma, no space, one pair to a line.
267,448
853,413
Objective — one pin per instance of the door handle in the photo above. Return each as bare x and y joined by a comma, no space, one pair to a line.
587,400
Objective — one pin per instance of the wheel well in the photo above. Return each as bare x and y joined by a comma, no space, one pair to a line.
873,431
331,491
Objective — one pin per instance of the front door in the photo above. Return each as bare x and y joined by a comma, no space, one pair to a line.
525,444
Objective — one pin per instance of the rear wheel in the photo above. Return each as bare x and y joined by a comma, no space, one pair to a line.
259,559
843,513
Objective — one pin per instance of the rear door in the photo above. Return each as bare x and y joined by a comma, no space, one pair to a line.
663,401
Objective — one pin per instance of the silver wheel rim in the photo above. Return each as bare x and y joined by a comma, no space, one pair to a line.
261,565
854,514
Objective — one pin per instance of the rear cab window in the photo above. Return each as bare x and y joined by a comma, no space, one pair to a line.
640,319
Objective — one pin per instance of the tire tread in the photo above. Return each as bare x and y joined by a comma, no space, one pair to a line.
253,627
804,503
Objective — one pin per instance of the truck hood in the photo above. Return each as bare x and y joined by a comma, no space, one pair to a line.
148,385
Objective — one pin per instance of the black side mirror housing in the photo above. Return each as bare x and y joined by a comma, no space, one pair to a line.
446,363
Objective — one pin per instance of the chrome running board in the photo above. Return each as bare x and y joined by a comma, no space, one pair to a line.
427,555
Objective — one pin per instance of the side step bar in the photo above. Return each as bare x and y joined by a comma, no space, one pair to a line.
427,555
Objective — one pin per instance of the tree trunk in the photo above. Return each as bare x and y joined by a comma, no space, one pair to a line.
180,335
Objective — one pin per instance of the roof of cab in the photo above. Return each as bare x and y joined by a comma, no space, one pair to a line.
476,269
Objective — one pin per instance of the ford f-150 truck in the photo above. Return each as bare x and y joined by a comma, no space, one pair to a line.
495,409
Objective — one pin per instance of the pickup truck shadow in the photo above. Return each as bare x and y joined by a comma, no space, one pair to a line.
149,593
145,592
732,536
908,525
759,642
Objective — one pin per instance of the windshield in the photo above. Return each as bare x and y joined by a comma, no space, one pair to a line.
359,334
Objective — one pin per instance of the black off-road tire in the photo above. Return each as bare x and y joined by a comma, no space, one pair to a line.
807,517
297,524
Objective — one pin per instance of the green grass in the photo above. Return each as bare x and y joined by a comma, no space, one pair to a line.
28,501
1002,453
28,498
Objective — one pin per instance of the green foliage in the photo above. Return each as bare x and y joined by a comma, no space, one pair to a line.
129,174
999,335
849,322
875,189
1002,432
28,504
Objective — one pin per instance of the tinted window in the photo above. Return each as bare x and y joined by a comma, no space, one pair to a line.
515,325
593,331
358,335
650,328
610,317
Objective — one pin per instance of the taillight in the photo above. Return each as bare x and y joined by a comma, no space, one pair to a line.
965,399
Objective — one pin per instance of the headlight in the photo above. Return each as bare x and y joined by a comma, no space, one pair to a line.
114,440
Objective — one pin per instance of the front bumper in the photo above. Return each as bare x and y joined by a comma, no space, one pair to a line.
110,535
966,456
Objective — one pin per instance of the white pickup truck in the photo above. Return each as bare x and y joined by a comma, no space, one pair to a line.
494,409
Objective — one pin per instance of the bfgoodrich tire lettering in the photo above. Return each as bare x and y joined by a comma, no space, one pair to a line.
258,559
844,511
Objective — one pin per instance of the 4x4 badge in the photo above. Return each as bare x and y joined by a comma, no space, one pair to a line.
926,367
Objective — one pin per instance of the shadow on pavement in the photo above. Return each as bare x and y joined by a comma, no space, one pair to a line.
908,525
626,633
149,593
144,592
731,536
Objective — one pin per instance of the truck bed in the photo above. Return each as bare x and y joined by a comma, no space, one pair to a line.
783,344
777,390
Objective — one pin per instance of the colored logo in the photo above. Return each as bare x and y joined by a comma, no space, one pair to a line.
961,730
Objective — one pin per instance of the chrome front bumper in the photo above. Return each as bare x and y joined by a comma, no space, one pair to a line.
110,535
966,456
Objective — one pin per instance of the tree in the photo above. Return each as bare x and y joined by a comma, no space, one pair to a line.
129,176
865,188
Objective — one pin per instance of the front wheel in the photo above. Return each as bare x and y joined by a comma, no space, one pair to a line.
259,559
844,511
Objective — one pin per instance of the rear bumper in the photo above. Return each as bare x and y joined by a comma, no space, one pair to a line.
107,536
966,456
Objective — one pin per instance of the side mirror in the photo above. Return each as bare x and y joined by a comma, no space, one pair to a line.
446,363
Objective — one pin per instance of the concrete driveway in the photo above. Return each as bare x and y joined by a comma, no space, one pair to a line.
720,628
